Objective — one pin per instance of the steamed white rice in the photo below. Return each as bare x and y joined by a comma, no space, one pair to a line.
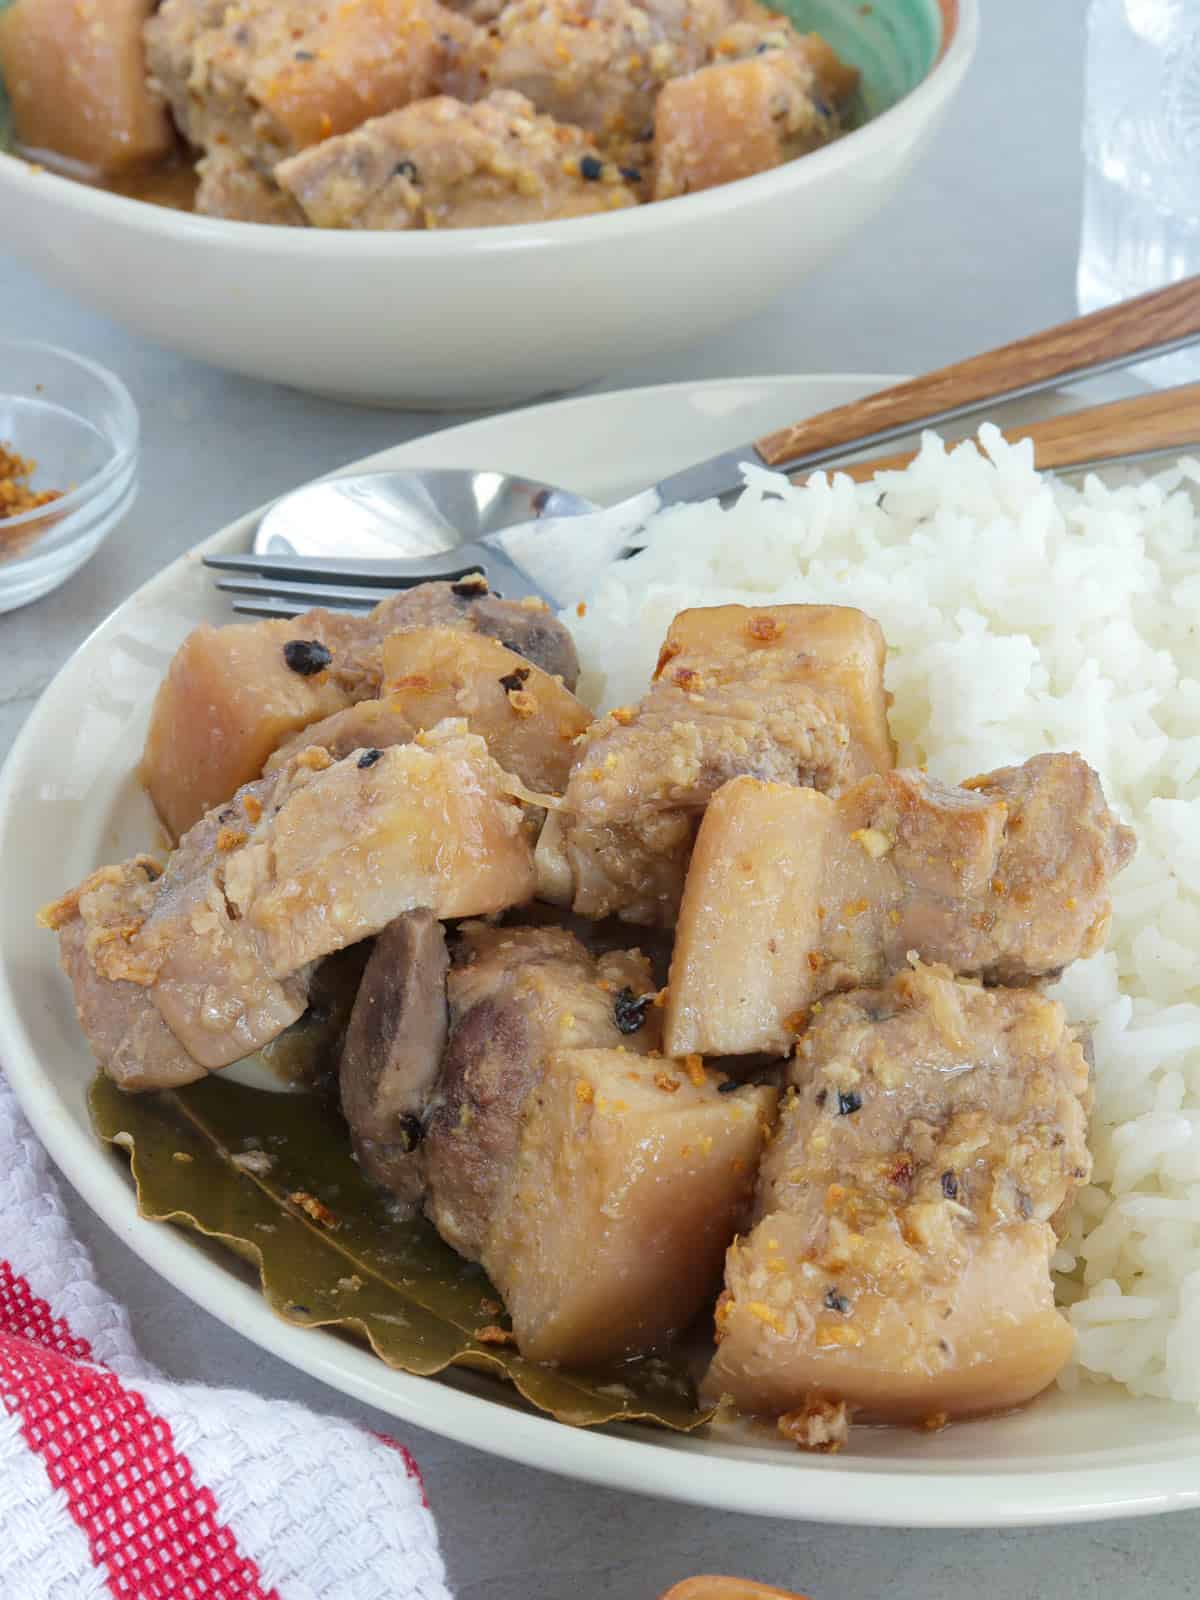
1022,615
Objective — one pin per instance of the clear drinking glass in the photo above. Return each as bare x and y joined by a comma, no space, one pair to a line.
1141,150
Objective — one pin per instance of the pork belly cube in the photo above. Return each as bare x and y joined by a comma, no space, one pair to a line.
751,919
836,651
356,842
596,65
1062,847
792,897
316,857
767,95
932,1133
229,697
75,73
200,55
232,695
269,77
629,1183
790,694
516,995
733,119
232,187
755,30
528,719
119,1019
393,1052
199,959
362,59
439,163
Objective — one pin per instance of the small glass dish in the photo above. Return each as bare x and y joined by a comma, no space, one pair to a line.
78,423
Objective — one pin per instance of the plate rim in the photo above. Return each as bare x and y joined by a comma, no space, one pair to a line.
818,1489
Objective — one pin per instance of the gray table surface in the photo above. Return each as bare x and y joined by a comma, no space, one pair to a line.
978,247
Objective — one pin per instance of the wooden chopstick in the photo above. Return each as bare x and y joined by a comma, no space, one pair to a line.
1096,343
1164,419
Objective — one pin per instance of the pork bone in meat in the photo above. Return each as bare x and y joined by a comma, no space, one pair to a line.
393,1052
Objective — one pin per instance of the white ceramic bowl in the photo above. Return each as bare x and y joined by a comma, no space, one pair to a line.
485,316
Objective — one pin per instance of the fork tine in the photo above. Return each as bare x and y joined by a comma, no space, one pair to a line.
392,574
275,606
307,594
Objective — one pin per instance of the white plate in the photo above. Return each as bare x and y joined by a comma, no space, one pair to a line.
68,802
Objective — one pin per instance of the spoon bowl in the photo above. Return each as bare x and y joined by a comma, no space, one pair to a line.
417,513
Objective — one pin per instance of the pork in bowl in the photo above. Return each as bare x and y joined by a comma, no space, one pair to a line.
403,114
453,314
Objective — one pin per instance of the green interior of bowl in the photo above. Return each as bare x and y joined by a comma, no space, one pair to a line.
893,43
5,120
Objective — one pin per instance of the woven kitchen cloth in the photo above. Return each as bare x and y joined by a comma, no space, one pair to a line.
117,1481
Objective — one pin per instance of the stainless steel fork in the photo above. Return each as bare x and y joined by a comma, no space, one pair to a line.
532,539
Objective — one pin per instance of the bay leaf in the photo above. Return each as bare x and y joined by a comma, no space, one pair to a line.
272,1177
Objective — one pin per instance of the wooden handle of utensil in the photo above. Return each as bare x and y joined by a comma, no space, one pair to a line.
1164,419
713,1588
1120,330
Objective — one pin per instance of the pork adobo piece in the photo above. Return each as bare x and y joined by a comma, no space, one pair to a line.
792,694
932,1132
871,942
792,895
410,114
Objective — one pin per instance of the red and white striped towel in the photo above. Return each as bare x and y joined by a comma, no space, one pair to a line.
116,1481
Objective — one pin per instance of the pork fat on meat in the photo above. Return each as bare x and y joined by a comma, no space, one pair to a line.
791,694
932,1134
233,695
598,1183
792,895
307,861
528,719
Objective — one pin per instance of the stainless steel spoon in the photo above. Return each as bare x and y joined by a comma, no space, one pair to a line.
358,536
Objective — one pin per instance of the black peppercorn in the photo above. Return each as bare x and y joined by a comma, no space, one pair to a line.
406,169
306,656
848,1103
836,1302
512,681
590,167
629,1010
369,757
949,1186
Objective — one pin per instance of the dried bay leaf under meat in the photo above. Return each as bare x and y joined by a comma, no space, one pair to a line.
271,1176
